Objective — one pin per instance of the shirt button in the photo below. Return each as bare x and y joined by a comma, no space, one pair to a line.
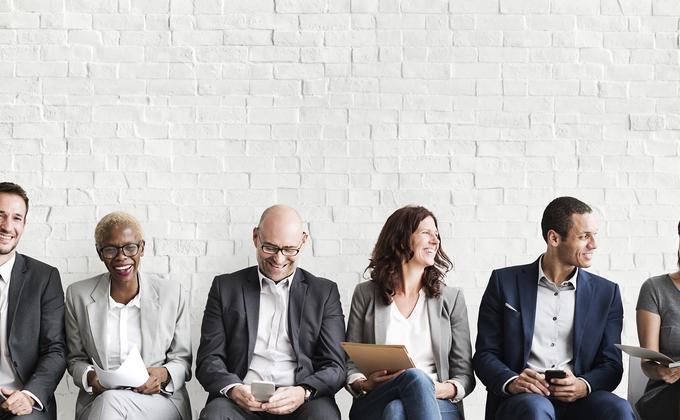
552,344
552,366
556,293
554,318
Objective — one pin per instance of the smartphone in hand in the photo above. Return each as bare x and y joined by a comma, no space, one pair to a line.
262,390
554,374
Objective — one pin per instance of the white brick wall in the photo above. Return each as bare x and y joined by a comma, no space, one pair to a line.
196,115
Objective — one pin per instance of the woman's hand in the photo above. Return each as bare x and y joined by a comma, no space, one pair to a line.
668,375
157,376
374,379
444,390
93,381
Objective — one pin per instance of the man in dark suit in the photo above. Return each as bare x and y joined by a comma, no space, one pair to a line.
31,319
275,323
553,315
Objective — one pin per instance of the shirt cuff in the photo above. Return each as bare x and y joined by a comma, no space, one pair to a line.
86,387
355,377
587,384
169,388
460,391
505,385
225,391
38,405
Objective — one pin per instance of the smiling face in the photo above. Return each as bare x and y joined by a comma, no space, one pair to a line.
121,267
424,243
279,227
578,246
12,222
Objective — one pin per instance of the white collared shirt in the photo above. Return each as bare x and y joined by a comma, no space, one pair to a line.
8,376
273,357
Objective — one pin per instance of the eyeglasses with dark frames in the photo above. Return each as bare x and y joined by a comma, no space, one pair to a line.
110,252
286,251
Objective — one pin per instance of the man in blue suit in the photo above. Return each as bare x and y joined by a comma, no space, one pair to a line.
553,315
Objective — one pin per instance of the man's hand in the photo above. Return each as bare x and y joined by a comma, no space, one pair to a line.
93,381
243,397
18,403
568,389
285,400
444,390
529,381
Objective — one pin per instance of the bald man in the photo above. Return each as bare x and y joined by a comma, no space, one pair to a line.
275,323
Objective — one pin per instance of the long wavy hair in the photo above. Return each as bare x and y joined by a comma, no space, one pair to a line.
394,248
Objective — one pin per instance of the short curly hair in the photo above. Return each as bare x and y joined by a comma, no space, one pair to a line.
112,220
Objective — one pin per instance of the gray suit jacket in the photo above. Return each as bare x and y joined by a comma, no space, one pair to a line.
35,328
448,328
166,335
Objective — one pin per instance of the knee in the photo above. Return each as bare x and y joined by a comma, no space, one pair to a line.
526,406
416,377
620,409
213,410
394,410
106,399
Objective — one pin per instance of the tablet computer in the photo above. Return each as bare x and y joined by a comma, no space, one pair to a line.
369,358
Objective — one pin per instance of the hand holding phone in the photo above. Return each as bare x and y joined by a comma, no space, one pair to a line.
554,374
262,390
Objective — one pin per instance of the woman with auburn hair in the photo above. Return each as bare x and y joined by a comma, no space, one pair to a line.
406,302
658,324
125,312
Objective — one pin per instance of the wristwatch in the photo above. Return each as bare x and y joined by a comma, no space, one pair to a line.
309,391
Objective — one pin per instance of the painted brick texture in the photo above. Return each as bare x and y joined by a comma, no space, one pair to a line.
195,115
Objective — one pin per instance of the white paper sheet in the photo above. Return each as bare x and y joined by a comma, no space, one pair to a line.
643,353
132,373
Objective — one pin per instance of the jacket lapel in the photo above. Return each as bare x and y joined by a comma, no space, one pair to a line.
296,301
381,316
584,295
527,286
96,317
16,287
251,298
150,308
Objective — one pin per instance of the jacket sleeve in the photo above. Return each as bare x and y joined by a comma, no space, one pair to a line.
607,367
460,354
179,355
329,357
52,359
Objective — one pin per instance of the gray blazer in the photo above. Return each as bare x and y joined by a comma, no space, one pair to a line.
166,335
448,328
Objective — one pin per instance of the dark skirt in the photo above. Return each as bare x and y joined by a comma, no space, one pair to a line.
661,401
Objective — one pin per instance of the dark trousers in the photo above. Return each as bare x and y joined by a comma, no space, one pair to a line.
600,405
222,408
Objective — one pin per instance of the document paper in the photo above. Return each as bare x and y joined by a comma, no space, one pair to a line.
131,374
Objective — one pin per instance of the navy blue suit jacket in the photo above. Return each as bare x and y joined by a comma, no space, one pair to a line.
504,336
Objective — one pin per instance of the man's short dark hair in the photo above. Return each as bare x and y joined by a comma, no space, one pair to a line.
12,188
557,216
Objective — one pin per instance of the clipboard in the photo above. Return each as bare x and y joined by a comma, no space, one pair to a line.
369,358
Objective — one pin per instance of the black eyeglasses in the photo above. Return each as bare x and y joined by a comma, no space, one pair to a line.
287,251
129,250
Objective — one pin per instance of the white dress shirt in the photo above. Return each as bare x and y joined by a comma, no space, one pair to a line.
8,376
123,331
273,357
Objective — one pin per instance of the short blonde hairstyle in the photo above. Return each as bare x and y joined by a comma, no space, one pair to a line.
112,220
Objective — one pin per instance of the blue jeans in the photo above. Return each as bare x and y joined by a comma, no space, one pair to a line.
409,395
600,405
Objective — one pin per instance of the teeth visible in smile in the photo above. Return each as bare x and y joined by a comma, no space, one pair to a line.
123,267
6,236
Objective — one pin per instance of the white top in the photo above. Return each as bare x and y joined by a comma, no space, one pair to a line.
8,376
413,332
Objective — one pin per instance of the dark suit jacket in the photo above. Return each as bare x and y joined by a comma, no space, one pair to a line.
504,336
316,327
35,328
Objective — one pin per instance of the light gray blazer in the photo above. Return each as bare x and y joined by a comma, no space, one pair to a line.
166,335
448,328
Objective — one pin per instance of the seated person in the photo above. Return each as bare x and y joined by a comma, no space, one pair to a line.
406,302
658,323
111,313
